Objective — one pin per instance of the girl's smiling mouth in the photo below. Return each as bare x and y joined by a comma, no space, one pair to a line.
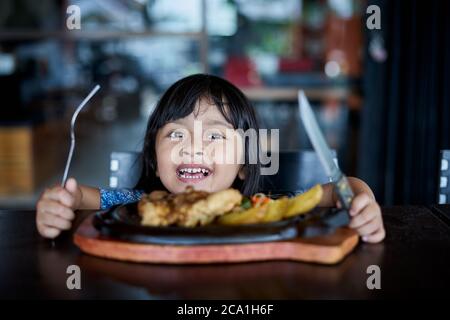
193,173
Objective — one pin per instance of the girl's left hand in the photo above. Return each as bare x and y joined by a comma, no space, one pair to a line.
366,218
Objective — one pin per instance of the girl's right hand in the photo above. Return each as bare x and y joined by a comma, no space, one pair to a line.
55,208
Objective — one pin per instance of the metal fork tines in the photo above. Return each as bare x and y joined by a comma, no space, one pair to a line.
72,132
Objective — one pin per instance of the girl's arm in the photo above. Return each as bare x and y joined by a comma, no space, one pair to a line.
55,209
366,217
95,198
113,197
90,198
330,198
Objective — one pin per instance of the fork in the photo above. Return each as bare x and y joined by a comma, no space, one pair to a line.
72,132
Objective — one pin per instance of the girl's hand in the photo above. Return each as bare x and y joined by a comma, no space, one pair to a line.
366,218
55,209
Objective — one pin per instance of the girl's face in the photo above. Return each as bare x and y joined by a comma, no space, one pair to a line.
198,157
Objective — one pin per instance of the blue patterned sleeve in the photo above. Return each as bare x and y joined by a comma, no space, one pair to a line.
113,197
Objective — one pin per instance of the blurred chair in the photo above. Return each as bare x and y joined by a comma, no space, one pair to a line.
124,169
298,171
444,178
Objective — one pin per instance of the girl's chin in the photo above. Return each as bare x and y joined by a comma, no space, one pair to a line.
196,187
180,185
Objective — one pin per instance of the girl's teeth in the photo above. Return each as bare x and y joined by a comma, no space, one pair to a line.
189,177
183,172
194,170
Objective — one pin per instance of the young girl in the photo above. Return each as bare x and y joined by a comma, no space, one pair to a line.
221,108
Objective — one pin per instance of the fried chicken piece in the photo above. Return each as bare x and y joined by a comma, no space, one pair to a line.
188,209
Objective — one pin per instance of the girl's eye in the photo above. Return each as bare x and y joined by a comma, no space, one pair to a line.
215,136
176,135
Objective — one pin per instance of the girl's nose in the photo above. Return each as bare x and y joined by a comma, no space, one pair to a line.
192,151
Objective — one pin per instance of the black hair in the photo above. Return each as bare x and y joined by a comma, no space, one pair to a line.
179,101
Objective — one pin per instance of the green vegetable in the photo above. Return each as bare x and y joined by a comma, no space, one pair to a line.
246,203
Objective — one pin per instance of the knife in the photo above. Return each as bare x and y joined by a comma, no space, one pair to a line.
339,180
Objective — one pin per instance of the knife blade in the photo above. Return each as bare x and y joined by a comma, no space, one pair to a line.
339,180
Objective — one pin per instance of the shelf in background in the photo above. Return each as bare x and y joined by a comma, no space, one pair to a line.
14,35
290,94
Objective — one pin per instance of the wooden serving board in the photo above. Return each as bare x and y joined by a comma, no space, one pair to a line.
329,249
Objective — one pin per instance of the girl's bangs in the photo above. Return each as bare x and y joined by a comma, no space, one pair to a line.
184,99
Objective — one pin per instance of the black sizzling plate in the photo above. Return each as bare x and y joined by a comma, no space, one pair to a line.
123,222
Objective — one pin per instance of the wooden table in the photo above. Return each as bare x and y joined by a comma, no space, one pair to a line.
414,261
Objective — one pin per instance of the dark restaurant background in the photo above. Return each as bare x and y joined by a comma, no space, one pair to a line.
381,96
